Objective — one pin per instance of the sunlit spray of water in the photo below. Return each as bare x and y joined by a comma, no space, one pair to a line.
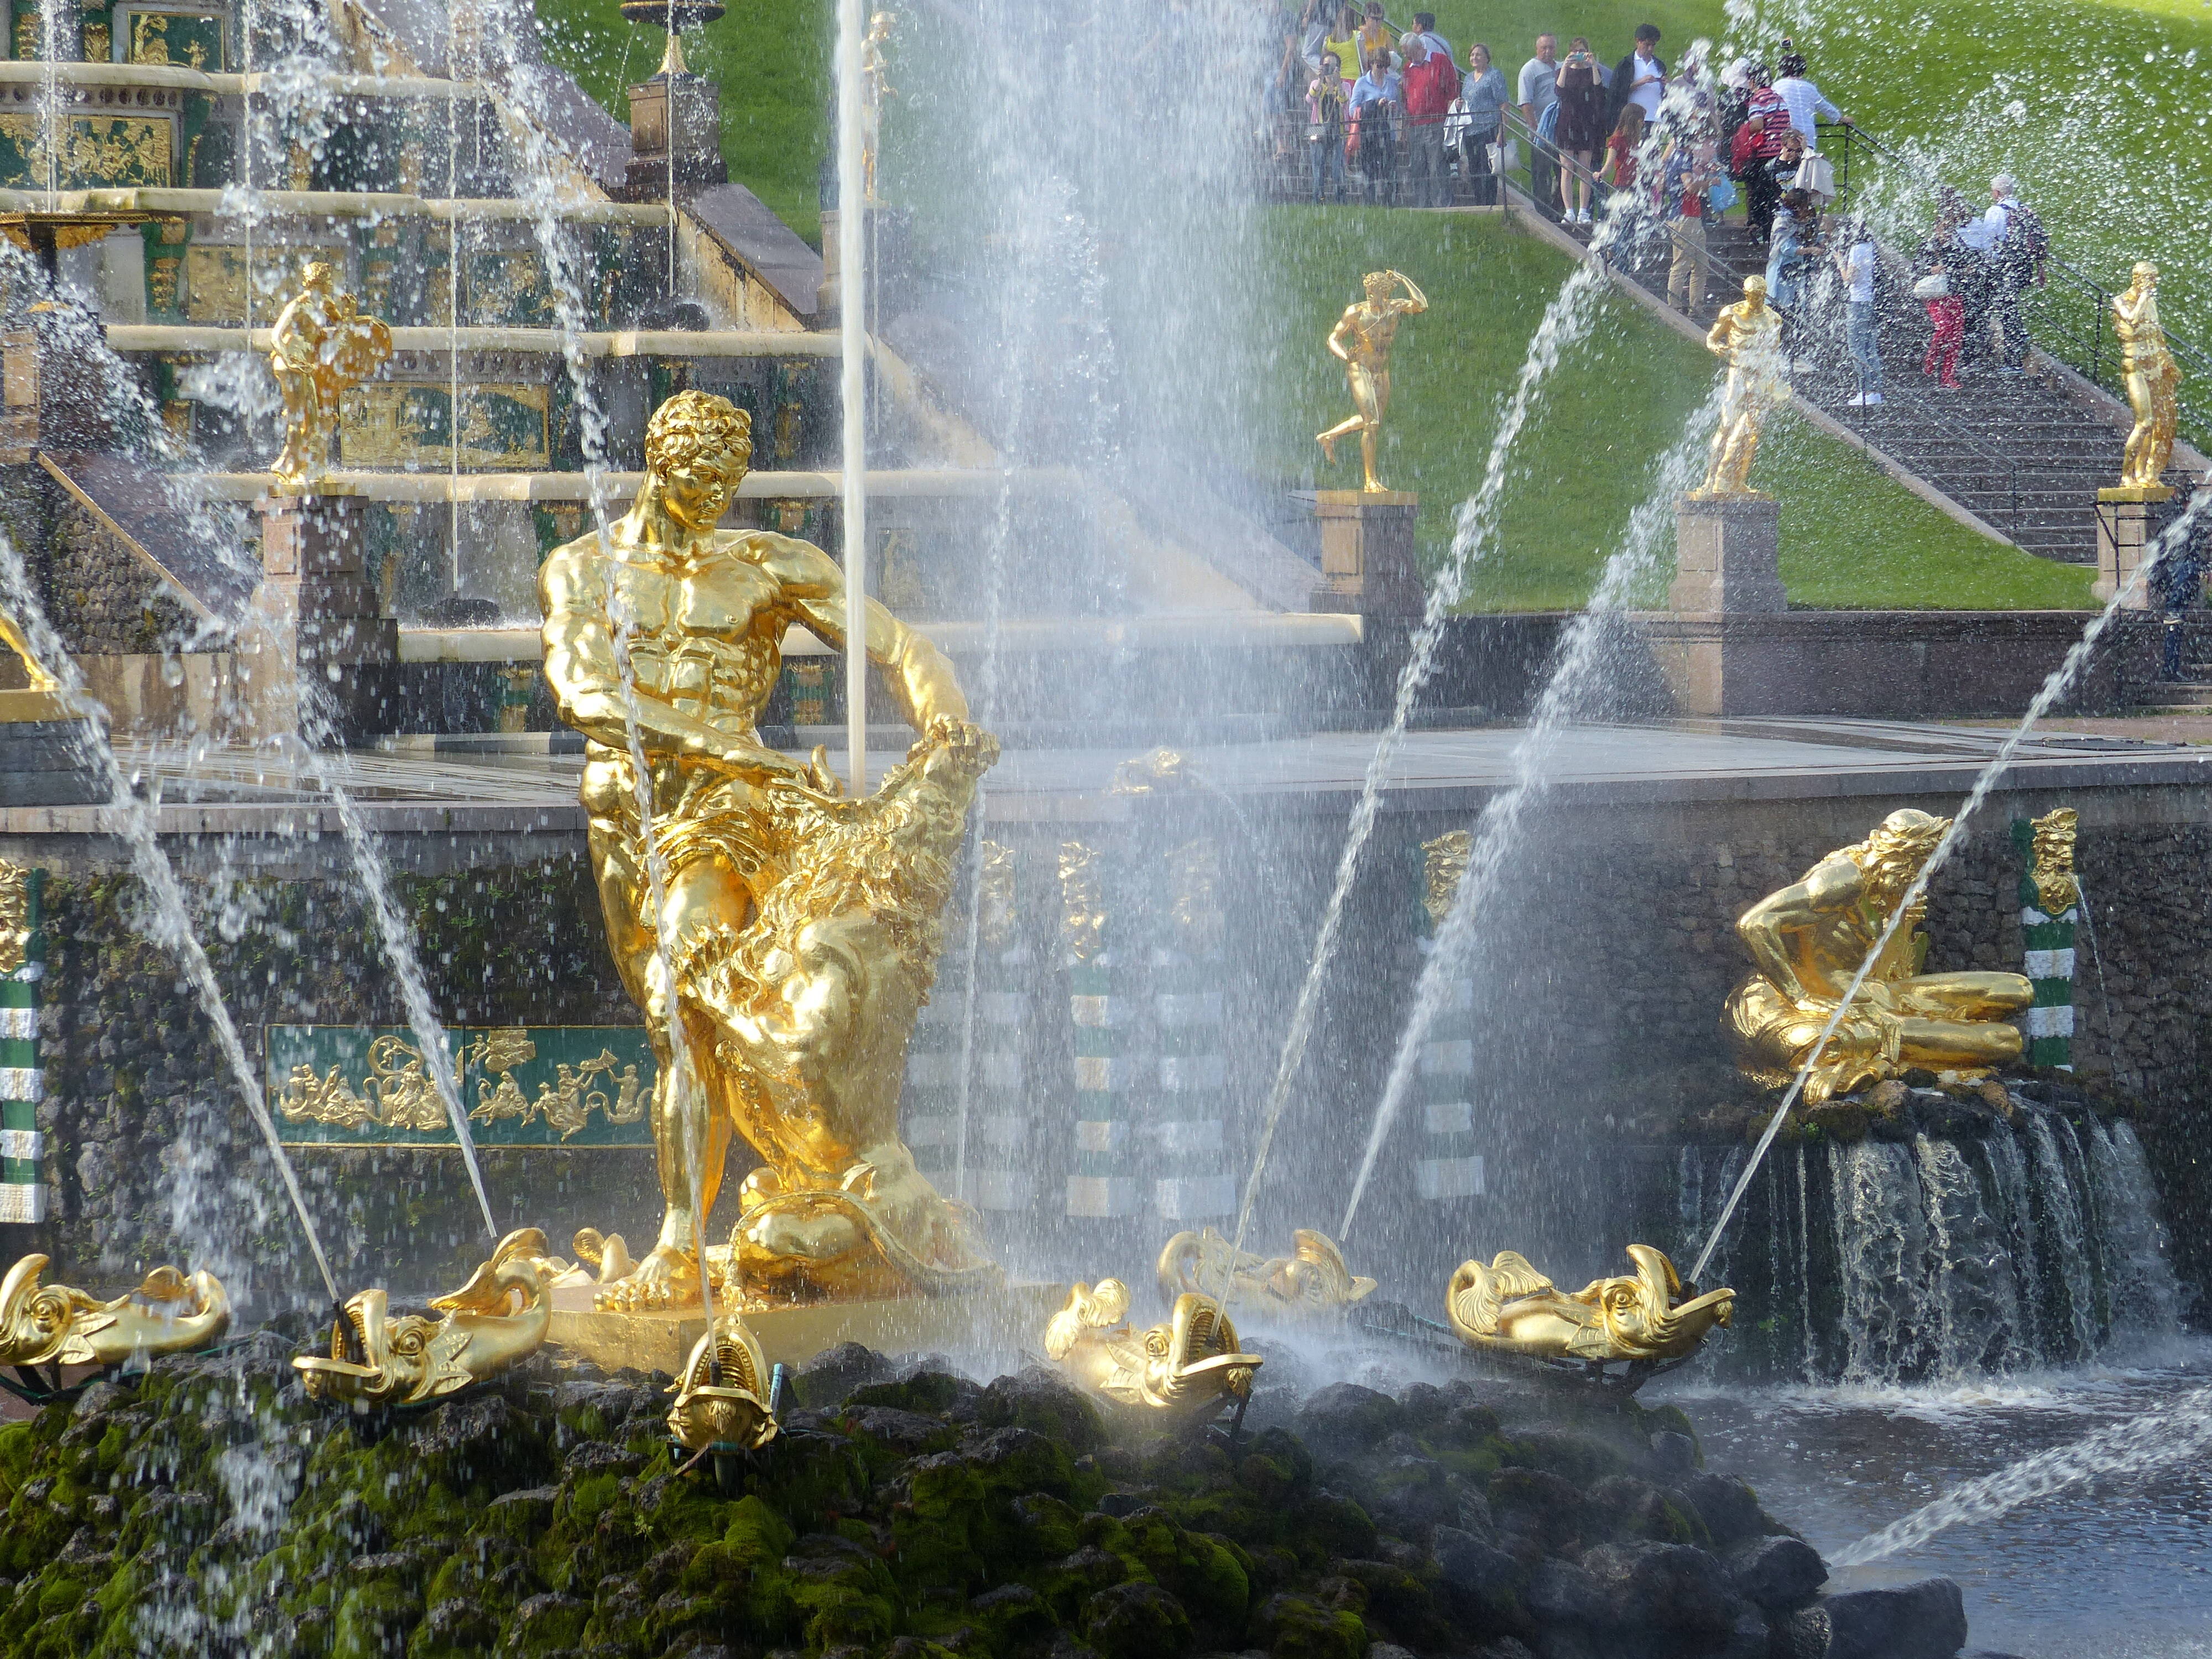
547,182
2158,1439
171,922
1567,321
1499,829
2059,683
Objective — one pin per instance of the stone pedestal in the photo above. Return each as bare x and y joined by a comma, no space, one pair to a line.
675,126
1367,558
2124,529
45,757
322,620
1726,549
1725,567
890,230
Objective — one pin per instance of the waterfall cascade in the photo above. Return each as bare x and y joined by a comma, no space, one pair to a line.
1953,1240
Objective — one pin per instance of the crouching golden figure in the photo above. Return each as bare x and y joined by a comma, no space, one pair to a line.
1808,942
496,1321
1312,1280
794,933
45,1324
1187,1366
1509,1307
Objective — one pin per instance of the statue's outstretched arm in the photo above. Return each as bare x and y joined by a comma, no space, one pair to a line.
921,678
584,677
1417,301
1766,927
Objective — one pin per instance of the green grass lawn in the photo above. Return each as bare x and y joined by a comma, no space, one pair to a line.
772,62
1851,538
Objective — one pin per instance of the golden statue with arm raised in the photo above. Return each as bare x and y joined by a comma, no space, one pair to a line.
801,930
1807,942
2153,381
319,348
1748,335
1362,340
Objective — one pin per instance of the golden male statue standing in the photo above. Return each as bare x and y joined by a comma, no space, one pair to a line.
799,932
320,348
2153,380
1361,340
1749,335
1808,941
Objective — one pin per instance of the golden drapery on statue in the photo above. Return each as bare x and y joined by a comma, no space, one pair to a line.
1748,335
1808,941
797,931
2154,385
1361,340
319,349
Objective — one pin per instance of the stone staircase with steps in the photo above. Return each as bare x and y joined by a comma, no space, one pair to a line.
2016,451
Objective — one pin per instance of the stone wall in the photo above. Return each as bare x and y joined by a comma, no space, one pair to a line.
101,599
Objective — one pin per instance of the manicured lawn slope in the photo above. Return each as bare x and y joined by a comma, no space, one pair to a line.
1851,536
773,63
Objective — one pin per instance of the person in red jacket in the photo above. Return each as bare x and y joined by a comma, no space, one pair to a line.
1431,84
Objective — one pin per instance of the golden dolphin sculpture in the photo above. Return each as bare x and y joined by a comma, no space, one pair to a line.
1510,1307
1313,1278
55,1325
494,1321
733,1411
1187,1366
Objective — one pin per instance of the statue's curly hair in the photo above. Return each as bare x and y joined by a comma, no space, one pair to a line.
695,425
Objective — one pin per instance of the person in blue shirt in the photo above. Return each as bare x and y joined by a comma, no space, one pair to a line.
1377,98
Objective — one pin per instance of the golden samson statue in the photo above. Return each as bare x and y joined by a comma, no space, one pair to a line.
797,932
1748,335
2154,385
1808,942
1361,340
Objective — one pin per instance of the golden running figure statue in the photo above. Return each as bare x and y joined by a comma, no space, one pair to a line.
799,932
320,348
1510,1307
1749,334
1362,340
2152,379
875,82
1808,941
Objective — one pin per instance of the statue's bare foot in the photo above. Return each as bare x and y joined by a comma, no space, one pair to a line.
668,1277
1327,442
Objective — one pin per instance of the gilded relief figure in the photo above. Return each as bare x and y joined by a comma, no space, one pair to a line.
1748,335
798,931
1361,340
320,348
2153,381
1808,941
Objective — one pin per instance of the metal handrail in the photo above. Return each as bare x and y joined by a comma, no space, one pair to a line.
2085,342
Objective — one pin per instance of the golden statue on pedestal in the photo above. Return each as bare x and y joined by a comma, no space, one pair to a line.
45,1324
2154,385
1749,335
798,931
1808,941
1361,340
1186,1367
1509,1307
320,348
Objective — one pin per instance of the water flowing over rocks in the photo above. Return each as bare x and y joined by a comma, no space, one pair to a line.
206,1508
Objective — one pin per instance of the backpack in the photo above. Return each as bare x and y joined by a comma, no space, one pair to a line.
2027,243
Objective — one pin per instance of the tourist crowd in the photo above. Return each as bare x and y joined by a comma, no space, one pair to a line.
1395,116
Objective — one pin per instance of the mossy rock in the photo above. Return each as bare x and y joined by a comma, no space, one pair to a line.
375,1619
545,1624
1298,1627
1136,1621
1040,1400
1629,1508
456,1628
1324,1523
933,1393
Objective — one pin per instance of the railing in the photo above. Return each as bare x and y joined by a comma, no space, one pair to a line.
2070,316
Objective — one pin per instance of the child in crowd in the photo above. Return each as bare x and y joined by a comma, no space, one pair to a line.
1947,317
